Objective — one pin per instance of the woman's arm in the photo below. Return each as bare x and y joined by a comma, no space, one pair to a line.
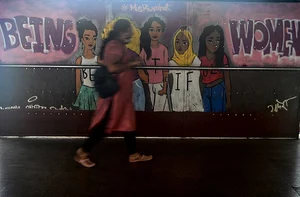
78,76
142,73
228,89
99,61
227,83
165,74
113,54
115,67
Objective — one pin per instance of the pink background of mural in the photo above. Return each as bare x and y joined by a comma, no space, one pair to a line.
222,13
39,9
196,15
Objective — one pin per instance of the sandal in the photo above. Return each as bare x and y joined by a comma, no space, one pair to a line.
82,158
137,157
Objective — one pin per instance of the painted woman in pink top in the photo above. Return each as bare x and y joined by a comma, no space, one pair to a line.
153,53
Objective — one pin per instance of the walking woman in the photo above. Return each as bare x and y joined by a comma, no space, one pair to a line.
115,114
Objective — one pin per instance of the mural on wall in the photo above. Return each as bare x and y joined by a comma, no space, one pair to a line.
46,36
185,91
265,38
166,33
154,53
216,92
86,94
157,24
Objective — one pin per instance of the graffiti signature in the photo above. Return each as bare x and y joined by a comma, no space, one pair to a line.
34,106
280,105
37,106
10,107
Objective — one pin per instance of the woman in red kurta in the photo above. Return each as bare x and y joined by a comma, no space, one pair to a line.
115,113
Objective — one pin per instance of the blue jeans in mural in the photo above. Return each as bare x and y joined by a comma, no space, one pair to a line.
214,98
138,95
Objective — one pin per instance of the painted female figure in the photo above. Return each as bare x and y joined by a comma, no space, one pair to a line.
216,94
153,53
86,94
184,84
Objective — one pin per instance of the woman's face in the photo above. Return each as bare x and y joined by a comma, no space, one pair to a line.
181,43
126,36
213,41
89,39
155,31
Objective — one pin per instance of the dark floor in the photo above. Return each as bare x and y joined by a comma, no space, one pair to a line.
202,168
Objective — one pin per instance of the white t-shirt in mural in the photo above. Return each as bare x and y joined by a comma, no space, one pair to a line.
185,93
87,75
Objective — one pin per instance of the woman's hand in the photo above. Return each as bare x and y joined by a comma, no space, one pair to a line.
135,63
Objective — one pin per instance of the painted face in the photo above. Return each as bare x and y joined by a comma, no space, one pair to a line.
155,31
181,43
213,41
89,39
126,36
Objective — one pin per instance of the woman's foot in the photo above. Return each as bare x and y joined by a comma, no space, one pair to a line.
137,157
83,158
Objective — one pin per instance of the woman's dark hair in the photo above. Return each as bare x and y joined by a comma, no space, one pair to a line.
121,26
145,40
84,24
202,44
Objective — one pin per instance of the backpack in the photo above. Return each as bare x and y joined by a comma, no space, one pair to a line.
106,84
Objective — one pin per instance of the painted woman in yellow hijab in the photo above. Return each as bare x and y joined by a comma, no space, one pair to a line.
184,84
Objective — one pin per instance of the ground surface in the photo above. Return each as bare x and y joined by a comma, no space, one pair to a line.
202,168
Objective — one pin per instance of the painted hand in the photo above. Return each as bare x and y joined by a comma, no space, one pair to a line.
143,76
100,61
162,92
228,105
146,79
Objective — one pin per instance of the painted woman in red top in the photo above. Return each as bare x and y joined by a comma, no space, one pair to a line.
216,92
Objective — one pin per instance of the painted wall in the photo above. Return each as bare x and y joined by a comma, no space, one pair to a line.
186,34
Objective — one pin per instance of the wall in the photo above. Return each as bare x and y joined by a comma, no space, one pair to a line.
188,34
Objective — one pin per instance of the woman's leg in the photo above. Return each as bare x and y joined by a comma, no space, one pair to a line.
82,154
219,98
130,141
134,156
138,95
207,99
96,134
